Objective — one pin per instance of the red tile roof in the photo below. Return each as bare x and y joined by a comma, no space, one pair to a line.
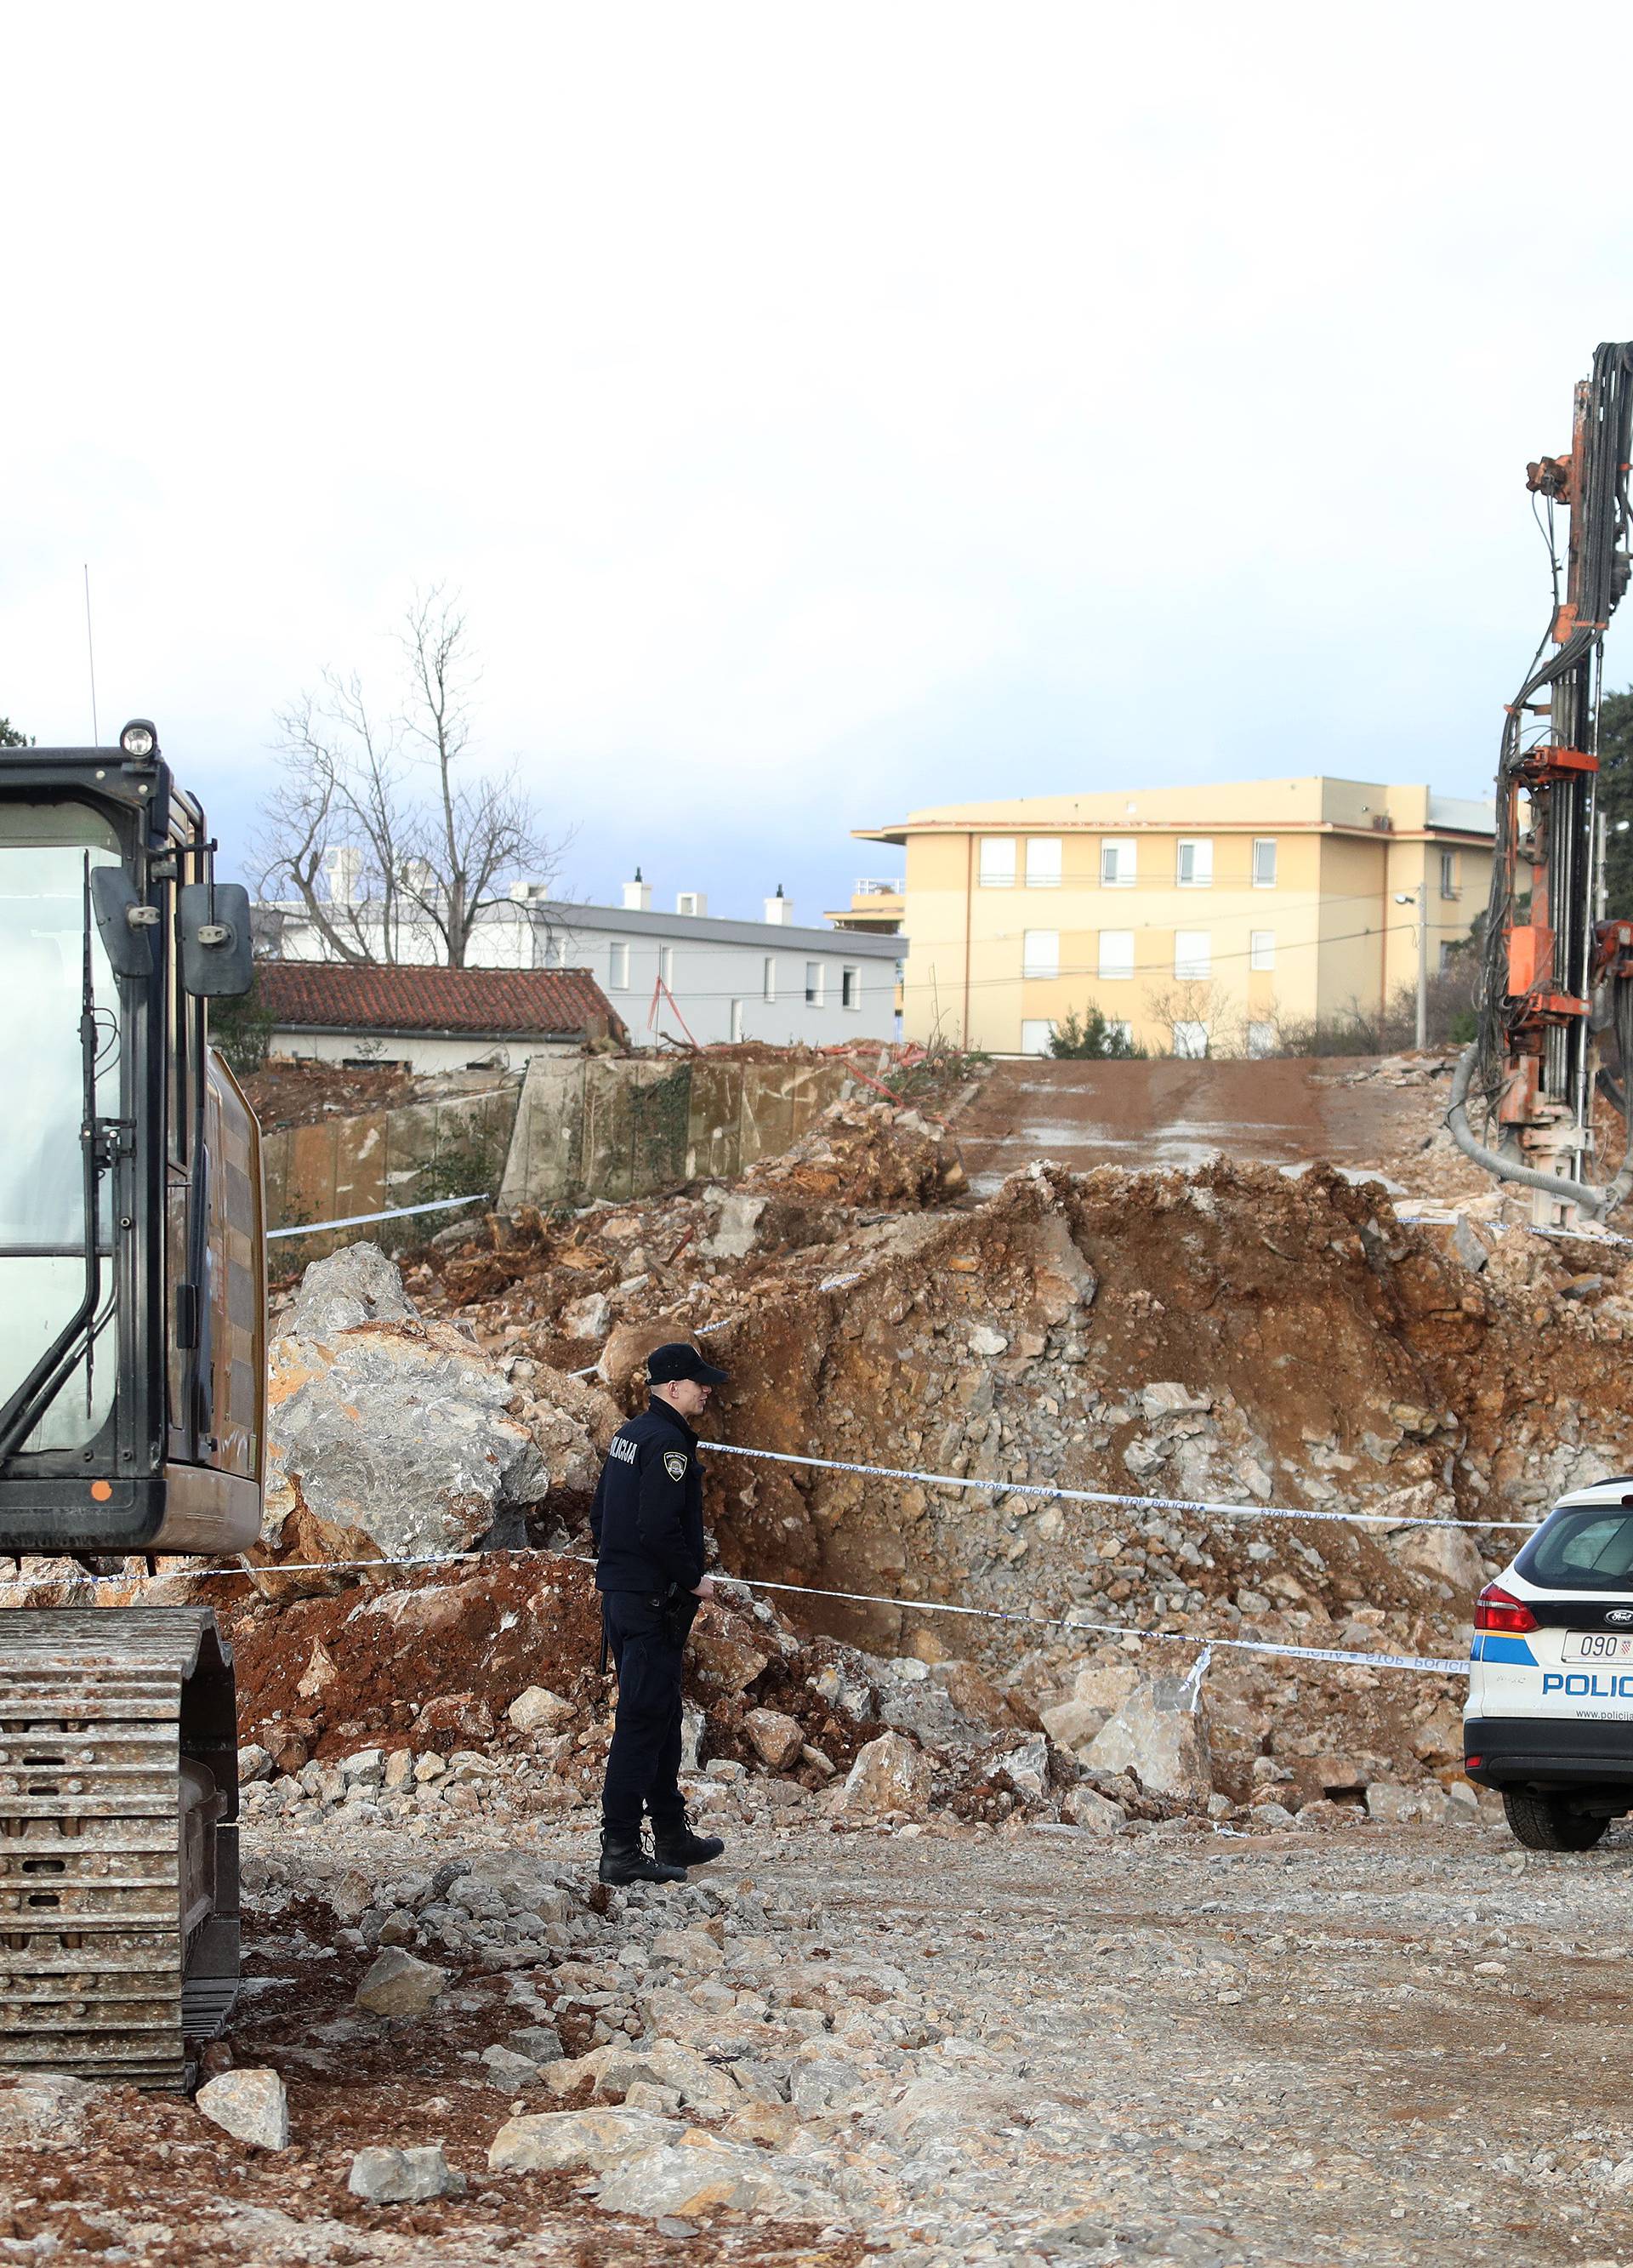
488,1003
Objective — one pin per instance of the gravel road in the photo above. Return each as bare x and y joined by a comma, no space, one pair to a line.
1373,2044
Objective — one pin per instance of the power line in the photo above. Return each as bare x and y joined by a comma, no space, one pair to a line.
1160,968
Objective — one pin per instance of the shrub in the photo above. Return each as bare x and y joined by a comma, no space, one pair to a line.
1090,1037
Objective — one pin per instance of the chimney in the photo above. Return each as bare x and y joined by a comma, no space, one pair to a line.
343,870
779,909
691,902
637,896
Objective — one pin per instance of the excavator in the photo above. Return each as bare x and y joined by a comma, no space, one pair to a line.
1554,995
132,1409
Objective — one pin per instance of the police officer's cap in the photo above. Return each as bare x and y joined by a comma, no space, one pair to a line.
677,1359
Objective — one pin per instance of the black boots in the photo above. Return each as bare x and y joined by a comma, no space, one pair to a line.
624,1860
676,1845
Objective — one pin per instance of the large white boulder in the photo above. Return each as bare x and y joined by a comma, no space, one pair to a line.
890,1774
356,1284
250,2105
394,1436
1159,1736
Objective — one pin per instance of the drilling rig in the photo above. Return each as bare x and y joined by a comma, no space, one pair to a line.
132,1408
1555,991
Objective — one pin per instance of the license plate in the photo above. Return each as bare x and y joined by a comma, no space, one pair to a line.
1597,1645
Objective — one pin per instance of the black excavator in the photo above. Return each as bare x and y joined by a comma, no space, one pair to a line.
132,1408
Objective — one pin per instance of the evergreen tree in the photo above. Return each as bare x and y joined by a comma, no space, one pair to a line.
10,738
1615,797
1091,1036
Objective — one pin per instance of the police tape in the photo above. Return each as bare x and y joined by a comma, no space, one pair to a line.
1052,1494
1587,1234
1049,1493
1073,1624
360,1219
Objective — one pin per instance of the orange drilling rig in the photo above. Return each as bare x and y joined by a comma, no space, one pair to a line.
1554,995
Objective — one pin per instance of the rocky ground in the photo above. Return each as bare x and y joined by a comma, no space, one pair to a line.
927,2045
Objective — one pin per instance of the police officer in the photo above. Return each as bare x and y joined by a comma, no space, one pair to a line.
648,1524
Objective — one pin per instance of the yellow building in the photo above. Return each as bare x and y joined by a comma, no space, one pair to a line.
1203,920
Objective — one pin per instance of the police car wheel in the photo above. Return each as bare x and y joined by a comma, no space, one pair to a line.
1545,1823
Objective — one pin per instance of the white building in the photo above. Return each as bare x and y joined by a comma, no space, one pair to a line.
680,973
430,1019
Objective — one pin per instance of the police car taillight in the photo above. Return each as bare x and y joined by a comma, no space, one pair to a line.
1498,1609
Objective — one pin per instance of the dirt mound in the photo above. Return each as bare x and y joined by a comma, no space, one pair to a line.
287,1093
862,1154
553,1289
1242,1336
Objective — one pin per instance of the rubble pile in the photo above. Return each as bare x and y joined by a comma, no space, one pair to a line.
1237,1335
861,1181
337,1716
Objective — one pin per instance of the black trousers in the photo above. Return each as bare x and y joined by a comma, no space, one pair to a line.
646,1640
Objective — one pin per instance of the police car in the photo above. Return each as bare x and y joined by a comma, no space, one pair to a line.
1549,1718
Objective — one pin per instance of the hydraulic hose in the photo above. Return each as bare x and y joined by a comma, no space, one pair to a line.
1506,1170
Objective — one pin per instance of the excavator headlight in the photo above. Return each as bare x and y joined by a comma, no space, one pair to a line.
138,737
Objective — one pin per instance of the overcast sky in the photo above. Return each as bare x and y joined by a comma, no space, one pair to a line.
822,411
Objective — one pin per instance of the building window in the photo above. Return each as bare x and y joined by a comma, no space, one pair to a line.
849,987
691,903
1039,953
1117,954
1261,948
1448,873
1043,862
767,977
815,985
665,967
1117,866
737,1019
1036,1032
556,950
618,968
1190,1039
1193,866
1193,954
1119,1030
1261,1039
997,862
1447,954
1264,862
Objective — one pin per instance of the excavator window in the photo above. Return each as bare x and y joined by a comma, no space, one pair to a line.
43,852
176,1052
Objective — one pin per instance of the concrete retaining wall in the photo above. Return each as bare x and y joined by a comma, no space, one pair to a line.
383,1158
610,1127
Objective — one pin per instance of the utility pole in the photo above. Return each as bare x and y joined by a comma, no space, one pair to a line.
1419,897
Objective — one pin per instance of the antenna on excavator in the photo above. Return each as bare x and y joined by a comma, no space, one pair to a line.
96,738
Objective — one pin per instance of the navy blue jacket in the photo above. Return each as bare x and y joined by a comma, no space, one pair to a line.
647,1518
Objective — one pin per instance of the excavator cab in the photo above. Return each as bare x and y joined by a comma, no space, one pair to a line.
132,1407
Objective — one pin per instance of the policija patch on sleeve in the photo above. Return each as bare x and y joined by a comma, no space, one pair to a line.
674,1463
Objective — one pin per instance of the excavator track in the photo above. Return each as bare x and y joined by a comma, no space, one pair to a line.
119,1929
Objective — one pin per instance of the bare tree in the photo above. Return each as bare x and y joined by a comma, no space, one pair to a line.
1192,1001
385,831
